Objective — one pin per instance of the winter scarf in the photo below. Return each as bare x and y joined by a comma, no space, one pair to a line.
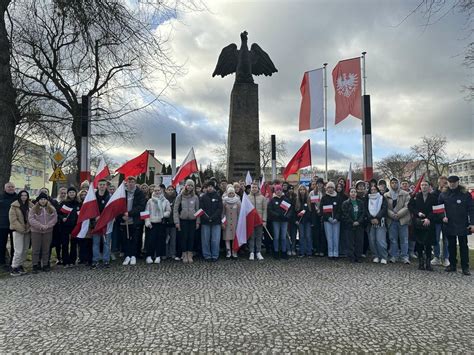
158,203
231,200
375,203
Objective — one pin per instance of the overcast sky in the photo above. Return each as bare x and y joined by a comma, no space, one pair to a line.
414,76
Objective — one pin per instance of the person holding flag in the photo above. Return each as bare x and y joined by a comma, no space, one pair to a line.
458,221
330,210
260,203
442,184
211,204
424,221
67,216
279,211
102,197
303,221
315,196
186,219
230,216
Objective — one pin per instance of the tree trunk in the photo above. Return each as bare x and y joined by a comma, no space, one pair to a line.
9,113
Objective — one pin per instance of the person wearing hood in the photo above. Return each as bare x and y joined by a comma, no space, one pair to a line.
353,215
376,212
458,221
330,210
67,216
18,216
424,220
102,196
211,204
171,245
260,203
160,209
398,220
231,210
42,219
279,217
6,199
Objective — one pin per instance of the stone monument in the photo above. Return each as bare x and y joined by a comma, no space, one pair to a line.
243,147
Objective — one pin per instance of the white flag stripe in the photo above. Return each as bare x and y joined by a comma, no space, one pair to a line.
316,89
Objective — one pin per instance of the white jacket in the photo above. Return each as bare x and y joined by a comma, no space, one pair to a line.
159,208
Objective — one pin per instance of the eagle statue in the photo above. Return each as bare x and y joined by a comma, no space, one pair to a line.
244,62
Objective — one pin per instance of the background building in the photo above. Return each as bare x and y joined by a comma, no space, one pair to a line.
465,170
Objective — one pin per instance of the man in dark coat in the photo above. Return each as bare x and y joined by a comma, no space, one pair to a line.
458,221
7,197
424,222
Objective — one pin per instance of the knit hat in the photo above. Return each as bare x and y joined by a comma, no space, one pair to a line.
329,184
189,182
41,195
230,189
278,188
72,188
359,182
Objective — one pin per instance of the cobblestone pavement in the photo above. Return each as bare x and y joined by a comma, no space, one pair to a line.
298,305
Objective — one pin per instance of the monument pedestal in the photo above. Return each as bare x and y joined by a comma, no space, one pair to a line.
243,142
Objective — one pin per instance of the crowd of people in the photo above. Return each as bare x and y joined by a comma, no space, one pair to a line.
388,223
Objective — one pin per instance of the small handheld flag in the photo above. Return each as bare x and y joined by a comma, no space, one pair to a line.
144,215
327,209
315,199
438,209
285,205
66,210
199,213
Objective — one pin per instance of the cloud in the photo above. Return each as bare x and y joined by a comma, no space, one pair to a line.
414,76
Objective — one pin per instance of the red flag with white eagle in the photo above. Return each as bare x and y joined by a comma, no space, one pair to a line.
300,160
248,220
116,206
136,166
188,167
348,89
312,100
102,172
89,209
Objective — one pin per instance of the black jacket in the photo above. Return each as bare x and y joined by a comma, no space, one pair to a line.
307,216
102,200
5,202
459,210
336,203
276,213
382,213
139,204
348,213
71,220
418,204
211,203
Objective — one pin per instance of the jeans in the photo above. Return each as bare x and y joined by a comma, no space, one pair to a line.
210,240
255,240
437,247
171,245
306,240
292,231
398,232
332,235
279,235
378,241
96,248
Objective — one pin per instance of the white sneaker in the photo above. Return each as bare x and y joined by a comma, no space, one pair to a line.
406,261
413,256
435,261
126,261
157,260
133,260
259,256
234,254
364,256
113,257
446,263
393,260
252,256
177,258
228,254
149,260
383,261
376,260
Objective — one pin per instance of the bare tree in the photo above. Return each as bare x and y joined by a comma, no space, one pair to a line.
110,50
394,165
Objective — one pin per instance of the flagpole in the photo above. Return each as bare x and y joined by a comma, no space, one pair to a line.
325,121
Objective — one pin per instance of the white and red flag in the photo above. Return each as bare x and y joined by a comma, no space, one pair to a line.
199,213
224,220
248,220
65,209
312,100
89,209
301,159
248,179
349,180
315,198
262,185
348,89
301,213
116,206
285,205
144,215
102,172
327,209
188,167
439,209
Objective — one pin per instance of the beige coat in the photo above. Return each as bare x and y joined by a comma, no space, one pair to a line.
17,222
260,203
231,212
401,208
189,205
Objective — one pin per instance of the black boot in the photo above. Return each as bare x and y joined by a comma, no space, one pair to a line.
36,269
428,264
421,261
